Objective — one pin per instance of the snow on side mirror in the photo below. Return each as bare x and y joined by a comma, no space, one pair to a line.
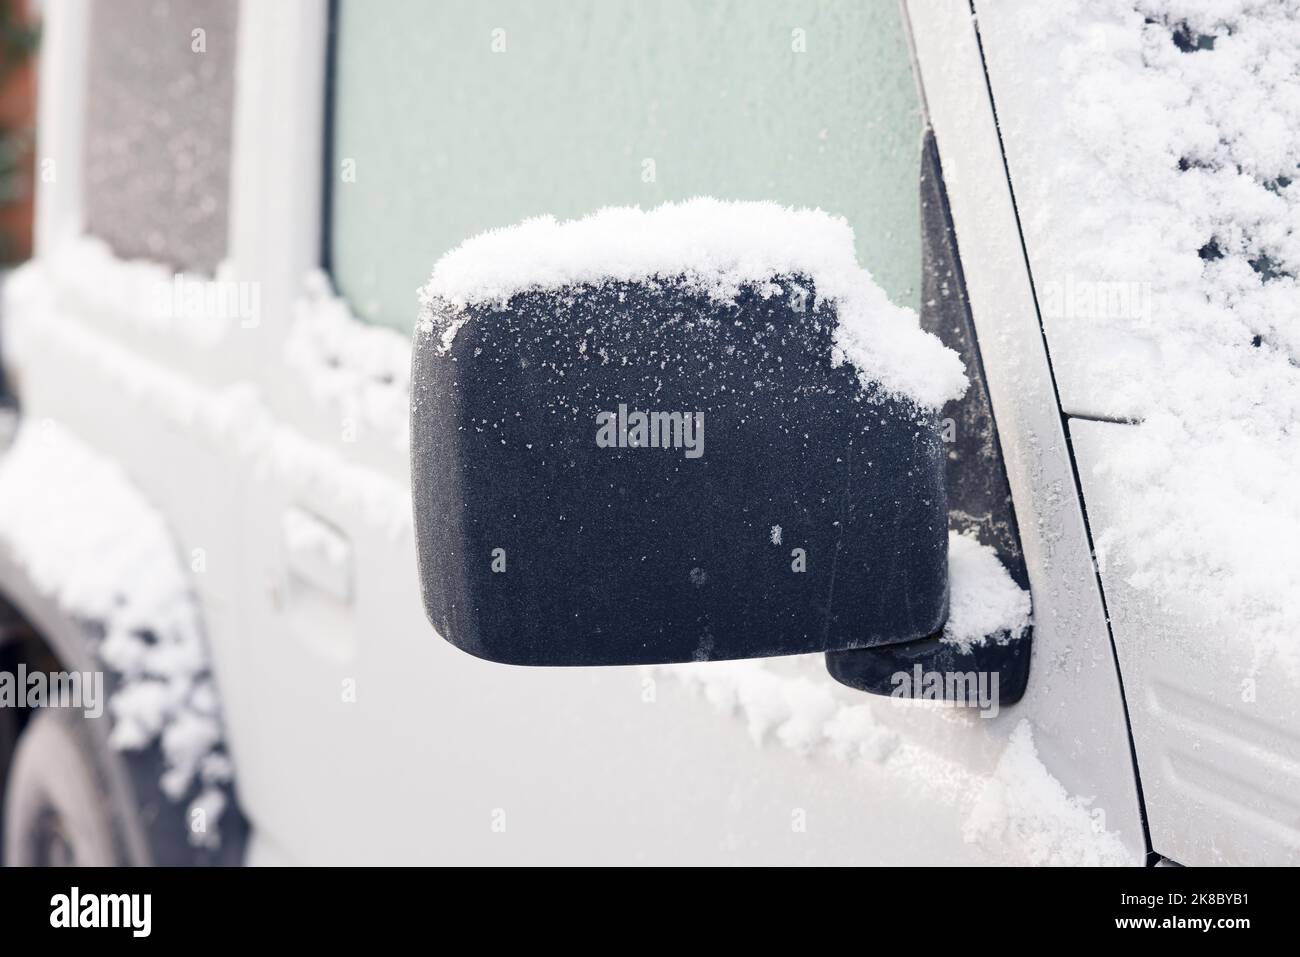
697,433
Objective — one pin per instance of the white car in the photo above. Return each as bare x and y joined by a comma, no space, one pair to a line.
207,499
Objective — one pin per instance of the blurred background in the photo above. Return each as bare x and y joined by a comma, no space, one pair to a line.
19,43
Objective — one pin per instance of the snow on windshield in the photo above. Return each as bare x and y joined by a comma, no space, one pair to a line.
1154,146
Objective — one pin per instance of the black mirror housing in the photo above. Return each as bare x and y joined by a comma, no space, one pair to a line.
634,472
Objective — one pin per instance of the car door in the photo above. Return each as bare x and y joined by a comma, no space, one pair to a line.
369,140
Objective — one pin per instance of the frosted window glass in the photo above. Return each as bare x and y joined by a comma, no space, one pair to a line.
158,118
455,117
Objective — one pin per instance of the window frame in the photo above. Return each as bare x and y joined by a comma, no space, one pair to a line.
274,220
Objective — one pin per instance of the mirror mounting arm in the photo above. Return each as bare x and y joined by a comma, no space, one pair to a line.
997,669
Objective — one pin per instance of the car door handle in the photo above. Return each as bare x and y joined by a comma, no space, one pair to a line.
317,554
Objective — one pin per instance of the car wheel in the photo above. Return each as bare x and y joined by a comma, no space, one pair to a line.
57,809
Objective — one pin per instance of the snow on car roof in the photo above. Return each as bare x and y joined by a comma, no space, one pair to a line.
718,247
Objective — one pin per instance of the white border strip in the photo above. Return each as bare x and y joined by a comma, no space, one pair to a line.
61,122
276,149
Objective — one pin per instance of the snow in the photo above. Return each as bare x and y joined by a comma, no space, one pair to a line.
150,297
1142,154
1023,806
83,532
88,539
801,711
361,371
1016,812
983,601
237,419
718,248
305,534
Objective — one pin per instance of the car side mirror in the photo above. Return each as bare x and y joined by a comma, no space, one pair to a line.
637,445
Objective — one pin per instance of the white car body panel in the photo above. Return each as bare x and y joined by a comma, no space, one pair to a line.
1048,172
1213,716
1074,678
359,736
1214,728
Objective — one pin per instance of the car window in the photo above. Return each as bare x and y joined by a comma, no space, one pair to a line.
158,120
456,117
